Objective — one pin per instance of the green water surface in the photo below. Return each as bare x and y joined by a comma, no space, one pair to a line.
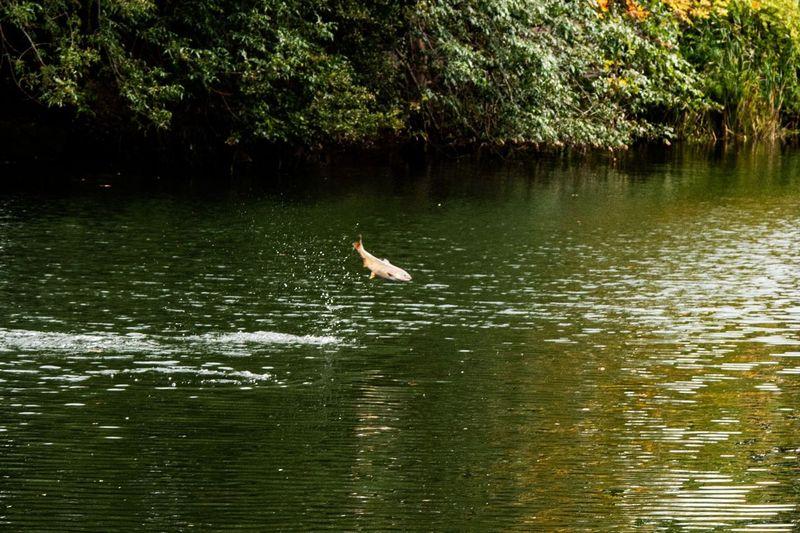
584,346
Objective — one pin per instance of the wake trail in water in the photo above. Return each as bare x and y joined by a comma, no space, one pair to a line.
233,375
19,340
265,337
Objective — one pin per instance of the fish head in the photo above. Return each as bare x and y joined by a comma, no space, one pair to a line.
400,275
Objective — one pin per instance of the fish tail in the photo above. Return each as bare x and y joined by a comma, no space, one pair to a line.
358,245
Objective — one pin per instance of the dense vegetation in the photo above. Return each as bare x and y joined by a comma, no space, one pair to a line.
322,73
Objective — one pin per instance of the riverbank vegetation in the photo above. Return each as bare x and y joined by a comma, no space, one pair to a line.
233,75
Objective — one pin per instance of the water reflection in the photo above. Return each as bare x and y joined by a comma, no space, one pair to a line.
583,347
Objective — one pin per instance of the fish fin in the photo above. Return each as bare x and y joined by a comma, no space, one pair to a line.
371,275
387,262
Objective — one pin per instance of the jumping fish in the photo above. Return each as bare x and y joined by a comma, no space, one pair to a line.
380,267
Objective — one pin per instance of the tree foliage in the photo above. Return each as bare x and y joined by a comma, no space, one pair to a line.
598,73
546,72
257,69
748,56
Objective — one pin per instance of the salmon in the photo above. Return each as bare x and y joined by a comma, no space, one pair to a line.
381,268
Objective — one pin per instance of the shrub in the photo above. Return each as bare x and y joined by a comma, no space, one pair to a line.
748,56
544,72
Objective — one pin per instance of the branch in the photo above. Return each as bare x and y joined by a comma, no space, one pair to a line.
32,47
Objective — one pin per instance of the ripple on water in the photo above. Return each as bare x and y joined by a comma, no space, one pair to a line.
704,499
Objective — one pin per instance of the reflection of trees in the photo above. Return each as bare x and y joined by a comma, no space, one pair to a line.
629,410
